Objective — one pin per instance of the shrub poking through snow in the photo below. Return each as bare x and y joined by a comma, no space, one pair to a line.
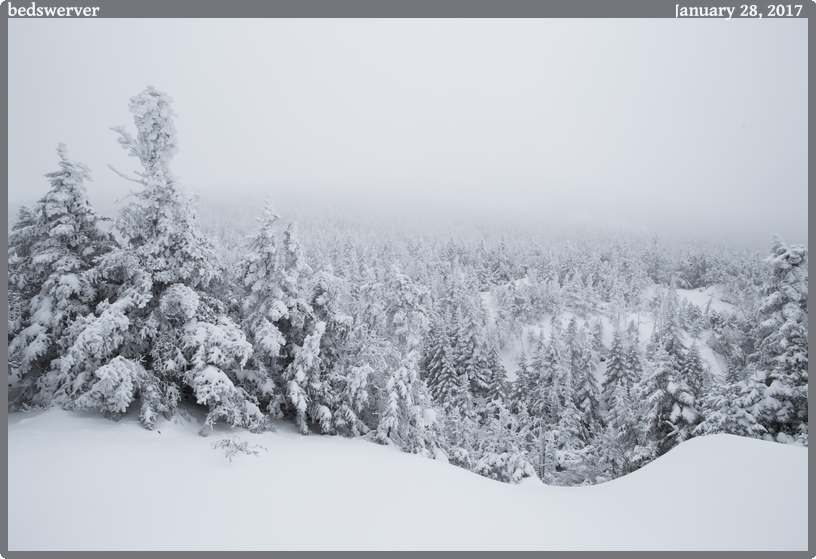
235,445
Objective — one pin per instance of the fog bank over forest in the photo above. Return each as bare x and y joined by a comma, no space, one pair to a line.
564,217
478,214
681,127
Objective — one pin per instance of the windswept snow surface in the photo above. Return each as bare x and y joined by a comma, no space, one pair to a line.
77,481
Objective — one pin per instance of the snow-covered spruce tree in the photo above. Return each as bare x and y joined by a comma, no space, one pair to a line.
500,449
633,352
160,227
460,437
336,394
617,372
781,359
443,378
694,374
732,338
672,409
472,352
620,437
356,388
497,389
618,304
596,342
332,368
725,410
406,320
694,319
287,321
264,304
160,330
546,368
303,369
439,371
431,346
586,393
52,275
569,439
521,388
671,335
500,271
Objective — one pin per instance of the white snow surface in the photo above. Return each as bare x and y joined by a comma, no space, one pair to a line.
77,481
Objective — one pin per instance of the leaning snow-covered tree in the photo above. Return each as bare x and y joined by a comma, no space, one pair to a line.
160,334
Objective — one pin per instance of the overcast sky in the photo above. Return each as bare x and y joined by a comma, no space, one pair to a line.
662,121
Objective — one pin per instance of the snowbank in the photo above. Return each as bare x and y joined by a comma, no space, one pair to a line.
78,481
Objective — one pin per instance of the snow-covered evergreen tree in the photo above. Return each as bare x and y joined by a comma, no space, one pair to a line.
617,370
304,370
501,453
781,359
52,276
158,316
672,412
260,273
497,389
406,321
472,353
443,378
159,227
724,409
671,336
694,374
586,392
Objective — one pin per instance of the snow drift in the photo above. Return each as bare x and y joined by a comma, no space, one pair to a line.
79,482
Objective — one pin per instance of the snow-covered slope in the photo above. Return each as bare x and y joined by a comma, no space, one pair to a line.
78,481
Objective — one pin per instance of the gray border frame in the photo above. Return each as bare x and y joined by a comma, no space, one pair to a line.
391,9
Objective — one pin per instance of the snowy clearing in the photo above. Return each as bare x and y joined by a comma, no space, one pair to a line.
100,485
702,298
709,297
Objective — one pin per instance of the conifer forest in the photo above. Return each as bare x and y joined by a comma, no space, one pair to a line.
576,359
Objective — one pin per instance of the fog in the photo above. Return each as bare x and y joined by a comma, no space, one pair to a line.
682,125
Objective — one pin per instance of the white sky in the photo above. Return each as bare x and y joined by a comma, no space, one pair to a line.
685,122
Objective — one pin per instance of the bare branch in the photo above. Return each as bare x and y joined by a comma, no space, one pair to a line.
124,176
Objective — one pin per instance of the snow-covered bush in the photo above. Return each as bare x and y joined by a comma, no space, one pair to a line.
113,387
235,445
214,389
501,456
178,304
